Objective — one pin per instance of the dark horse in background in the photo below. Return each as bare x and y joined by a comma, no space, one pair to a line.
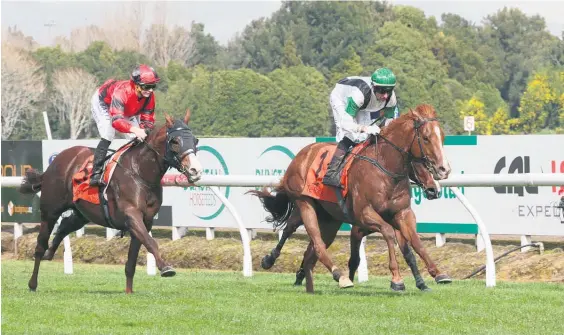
423,178
134,193
379,191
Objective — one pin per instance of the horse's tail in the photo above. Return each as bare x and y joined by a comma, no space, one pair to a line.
278,205
32,181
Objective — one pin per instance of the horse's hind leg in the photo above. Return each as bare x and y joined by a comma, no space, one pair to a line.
139,230
68,225
47,223
291,226
329,231
411,262
309,217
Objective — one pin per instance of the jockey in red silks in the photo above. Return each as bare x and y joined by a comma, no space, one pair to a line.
127,106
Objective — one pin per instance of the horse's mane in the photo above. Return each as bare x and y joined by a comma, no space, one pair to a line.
420,112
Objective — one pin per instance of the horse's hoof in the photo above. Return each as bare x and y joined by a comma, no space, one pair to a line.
345,282
443,279
398,287
32,289
48,256
267,262
168,271
424,288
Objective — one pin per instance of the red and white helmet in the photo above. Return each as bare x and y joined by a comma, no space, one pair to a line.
144,75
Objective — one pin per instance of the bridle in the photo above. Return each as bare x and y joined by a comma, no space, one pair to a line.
170,158
417,124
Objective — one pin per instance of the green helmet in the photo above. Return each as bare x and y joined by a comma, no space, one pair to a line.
383,77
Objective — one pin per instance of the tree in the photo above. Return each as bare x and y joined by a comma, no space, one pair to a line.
540,105
74,89
291,57
349,66
22,85
163,45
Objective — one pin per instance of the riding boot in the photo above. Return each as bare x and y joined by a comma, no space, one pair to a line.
98,164
333,175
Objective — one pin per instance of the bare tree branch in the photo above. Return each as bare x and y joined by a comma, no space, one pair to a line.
22,85
74,88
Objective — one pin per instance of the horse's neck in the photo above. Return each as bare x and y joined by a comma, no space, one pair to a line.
149,165
388,156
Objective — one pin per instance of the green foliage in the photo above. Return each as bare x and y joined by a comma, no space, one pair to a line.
275,77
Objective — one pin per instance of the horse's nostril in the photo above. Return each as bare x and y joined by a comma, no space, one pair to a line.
442,169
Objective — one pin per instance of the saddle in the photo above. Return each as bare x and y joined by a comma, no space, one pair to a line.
314,186
81,179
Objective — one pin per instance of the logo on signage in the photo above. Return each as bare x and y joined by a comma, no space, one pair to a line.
520,164
52,157
417,193
267,166
554,168
271,167
202,198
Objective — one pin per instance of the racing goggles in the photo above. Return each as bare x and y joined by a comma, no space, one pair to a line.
147,87
383,89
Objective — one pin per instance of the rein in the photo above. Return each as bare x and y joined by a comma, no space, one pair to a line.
410,157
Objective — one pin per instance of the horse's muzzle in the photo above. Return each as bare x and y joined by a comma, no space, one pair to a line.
193,175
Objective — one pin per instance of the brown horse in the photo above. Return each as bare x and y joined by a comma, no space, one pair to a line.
432,190
378,190
134,193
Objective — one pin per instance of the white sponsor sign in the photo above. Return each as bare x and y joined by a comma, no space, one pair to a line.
505,210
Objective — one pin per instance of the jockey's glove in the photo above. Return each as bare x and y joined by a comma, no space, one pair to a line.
373,130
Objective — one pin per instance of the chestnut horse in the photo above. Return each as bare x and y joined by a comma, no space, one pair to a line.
378,187
432,190
134,193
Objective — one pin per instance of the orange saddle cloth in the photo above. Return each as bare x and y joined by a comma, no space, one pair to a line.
81,188
314,183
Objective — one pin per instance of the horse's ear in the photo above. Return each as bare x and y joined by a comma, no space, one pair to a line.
169,120
415,113
187,115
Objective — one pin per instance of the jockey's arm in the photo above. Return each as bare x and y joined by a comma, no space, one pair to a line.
116,112
147,116
345,114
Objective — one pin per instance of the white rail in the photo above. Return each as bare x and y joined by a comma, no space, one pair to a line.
456,180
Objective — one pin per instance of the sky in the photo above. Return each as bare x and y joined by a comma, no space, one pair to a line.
223,19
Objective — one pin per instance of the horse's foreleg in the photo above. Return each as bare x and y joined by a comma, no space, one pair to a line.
138,229
411,261
372,221
397,283
406,221
132,255
68,225
42,245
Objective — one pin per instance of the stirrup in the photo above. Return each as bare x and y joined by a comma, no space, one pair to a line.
97,181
